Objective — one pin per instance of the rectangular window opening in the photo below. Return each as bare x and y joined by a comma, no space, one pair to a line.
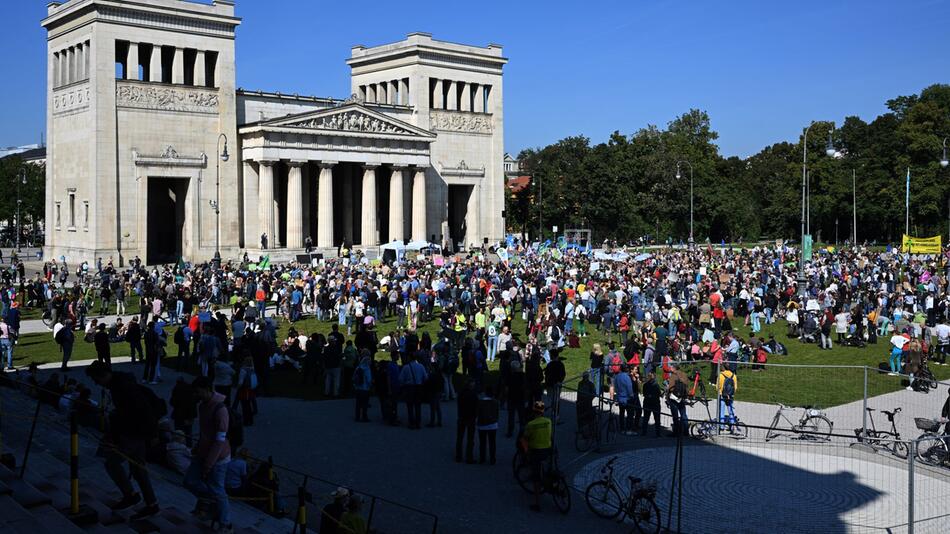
121,60
211,64
168,59
190,57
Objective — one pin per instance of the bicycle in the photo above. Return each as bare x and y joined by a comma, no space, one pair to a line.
876,438
813,425
703,430
552,479
605,499
932,444
594,433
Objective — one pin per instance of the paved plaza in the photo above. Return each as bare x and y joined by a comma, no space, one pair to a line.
753,487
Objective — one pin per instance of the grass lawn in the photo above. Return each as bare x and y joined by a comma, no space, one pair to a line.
799,385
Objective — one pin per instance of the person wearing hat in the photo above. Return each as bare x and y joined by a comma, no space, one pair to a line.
332,513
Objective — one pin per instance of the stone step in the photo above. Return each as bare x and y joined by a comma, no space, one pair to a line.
55,520
23,493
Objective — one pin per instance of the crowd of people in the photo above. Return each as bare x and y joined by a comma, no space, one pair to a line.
486,332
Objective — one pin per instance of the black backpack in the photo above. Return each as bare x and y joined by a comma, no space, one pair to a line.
729,387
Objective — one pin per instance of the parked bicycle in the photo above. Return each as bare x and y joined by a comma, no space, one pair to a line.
702,430
598,430
932,444
813,425
883,439
553,481
605,499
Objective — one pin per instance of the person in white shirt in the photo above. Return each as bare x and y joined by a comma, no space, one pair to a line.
943,343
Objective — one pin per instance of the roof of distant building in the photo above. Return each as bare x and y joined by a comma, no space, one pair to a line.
518,183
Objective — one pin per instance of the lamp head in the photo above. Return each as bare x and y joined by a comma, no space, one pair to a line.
678,175
224,153
944,162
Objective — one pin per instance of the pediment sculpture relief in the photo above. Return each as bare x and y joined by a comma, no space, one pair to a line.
350,121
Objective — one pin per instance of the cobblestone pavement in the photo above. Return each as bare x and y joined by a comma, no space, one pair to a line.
752,487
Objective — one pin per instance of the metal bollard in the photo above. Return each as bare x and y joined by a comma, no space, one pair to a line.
270,485
73,464
302,497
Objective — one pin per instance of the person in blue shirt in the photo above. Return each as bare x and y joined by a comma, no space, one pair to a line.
624,393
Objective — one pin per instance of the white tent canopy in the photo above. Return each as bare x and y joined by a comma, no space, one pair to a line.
419,245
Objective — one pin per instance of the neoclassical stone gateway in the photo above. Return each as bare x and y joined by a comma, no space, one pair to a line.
141,101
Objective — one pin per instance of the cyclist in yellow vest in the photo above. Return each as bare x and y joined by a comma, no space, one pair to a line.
537,436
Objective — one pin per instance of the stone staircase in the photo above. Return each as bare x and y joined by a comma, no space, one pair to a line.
39,503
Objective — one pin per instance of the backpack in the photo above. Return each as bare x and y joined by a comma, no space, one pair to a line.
729,388
679,390
452,362
555,334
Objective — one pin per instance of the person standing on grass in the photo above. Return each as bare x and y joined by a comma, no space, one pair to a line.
209,464
133,335
412,376
101,341
133,424
362,386
622,393
66,338
6,343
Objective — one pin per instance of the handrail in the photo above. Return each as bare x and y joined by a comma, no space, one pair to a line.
332,483
268,461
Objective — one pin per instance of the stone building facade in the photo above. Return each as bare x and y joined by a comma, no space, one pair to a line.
142,108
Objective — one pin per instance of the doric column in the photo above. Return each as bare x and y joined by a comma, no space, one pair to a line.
472,218
381,92
404,91
325,205
368,227
466,96
252,227
371,93
451,96
132,62
397,221
393,92
199,74
295,204
437,101
178,66
267,203
419,205
70,64
348,179
155,64
479,90
308,203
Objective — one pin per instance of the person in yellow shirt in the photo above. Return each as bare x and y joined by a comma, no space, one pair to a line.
728,385
537,436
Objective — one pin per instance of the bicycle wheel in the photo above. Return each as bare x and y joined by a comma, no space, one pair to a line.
818,427
645,514
603,499
899,449
522,471
561,493
932,452
740,430
585,438
695,431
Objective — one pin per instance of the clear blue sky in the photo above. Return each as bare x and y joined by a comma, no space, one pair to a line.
762,69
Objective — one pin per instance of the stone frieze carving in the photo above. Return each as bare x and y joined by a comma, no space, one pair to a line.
349,121
72,99
460,121
164,98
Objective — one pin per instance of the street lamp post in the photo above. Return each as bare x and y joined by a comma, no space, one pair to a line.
830,150
216,203
943,159
678,176
19,224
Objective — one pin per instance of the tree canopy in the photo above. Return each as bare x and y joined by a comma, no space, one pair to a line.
626,187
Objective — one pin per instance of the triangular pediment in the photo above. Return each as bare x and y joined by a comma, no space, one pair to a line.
353,118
